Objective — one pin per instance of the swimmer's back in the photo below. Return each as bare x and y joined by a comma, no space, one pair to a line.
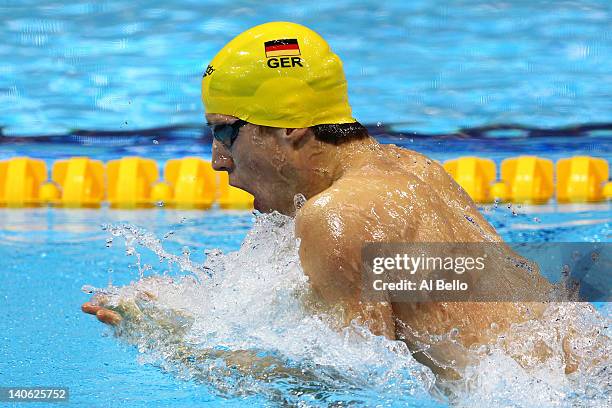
408,197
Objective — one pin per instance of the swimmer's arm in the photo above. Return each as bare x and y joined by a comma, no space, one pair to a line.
140,317
330,254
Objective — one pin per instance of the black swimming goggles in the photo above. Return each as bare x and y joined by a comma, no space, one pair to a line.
226,133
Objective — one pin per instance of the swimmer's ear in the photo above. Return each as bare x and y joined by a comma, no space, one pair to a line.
296,136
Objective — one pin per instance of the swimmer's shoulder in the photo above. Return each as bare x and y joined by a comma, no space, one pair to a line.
347,194
391,163
341,203
325,204
419,164
352,205
426,175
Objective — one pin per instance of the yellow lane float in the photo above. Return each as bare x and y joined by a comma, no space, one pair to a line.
130,182
474,174
192,183
581,179
21,179
81,180
607,191
529,179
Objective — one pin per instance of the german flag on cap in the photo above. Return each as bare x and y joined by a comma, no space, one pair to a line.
285,47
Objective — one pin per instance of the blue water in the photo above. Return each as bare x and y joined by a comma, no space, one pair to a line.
426,66
417,71
46,256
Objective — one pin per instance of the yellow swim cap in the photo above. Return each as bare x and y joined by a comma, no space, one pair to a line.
278,74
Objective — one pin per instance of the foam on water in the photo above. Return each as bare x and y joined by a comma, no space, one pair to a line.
244,323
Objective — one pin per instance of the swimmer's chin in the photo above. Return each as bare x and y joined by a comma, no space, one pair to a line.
257,205
266,209
262,208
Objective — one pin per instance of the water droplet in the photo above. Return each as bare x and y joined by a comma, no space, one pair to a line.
299,200
565,271
155,142
109,242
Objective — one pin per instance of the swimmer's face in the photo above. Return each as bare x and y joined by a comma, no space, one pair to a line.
259,162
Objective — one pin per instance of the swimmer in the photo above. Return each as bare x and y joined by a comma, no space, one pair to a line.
276,100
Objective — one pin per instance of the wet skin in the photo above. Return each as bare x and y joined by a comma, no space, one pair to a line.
361,191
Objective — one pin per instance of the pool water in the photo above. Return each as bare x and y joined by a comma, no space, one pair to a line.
112,79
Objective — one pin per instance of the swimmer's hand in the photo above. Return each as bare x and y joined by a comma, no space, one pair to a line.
96,306
140,317
99,306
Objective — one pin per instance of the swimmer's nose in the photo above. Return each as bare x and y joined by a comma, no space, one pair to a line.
221,159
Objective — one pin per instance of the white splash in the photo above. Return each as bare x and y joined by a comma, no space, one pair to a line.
253,306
